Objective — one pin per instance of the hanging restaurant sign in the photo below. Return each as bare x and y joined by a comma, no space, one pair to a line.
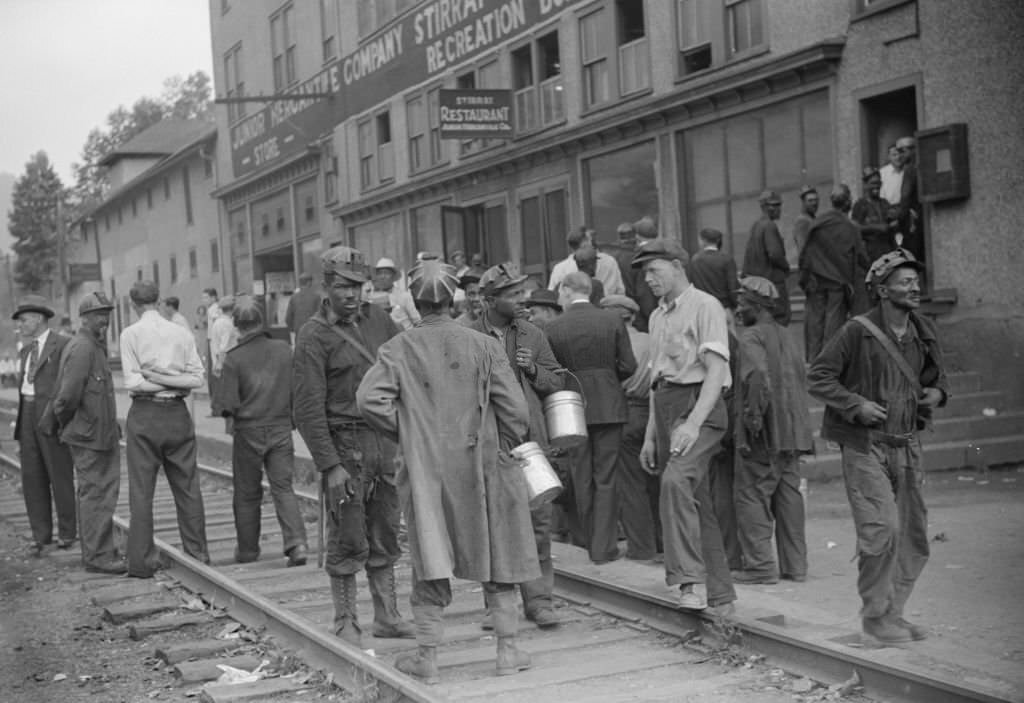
476,114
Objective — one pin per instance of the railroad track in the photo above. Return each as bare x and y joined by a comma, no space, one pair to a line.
616,643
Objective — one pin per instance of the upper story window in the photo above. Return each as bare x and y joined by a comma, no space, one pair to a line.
233,81
426,149
633,47
214,256
376,151
538,85
594,49
282,47
615,52
329,29
187,190
711,32
486,75
374,14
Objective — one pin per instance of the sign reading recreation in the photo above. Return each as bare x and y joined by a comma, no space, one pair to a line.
284,128
476,114
431,40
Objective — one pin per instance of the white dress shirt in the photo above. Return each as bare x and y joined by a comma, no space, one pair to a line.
607,272
223,336
29,389
154,342
892,184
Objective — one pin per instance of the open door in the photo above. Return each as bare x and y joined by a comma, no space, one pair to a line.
476,229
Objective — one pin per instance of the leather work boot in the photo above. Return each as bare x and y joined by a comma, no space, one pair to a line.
693,596
387,622
917,633
505,616
346,622
886,629
297,555
429,631
545,618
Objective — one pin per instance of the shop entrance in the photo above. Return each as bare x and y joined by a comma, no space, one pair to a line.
274,275
476,229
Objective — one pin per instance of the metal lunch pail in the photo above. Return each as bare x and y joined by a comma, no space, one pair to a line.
565,419
542,484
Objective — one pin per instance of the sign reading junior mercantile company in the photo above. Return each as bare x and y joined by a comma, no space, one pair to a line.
476,114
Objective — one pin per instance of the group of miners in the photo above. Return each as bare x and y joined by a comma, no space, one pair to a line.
695,423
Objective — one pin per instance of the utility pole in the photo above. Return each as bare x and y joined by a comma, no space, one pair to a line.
61,255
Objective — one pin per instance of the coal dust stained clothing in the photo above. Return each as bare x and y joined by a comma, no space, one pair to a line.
47,474
159,432
302,305
872,216
765,256
801,227
87,414
773,427
714,272
543,382
684,331
327,369
593,344
881,465
638,490
255,390
450,397
832,268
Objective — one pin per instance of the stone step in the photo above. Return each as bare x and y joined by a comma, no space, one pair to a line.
960,429
938,456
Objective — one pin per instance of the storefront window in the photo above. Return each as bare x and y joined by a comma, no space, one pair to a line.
621,186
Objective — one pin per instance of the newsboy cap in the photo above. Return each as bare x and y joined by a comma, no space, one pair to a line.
758,289
433,281
498,278
33,303
543,297
770,197
96,301
620,301
660,248
887,263
345,262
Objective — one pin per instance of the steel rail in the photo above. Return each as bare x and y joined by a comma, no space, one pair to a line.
353,669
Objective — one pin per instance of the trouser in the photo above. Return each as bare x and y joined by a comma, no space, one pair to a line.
768,490
438,592
363,531
636,513
884,489
99,484
161,434
781,311
693,542
722,478
536,594
826,310
47,479
253,449
595,488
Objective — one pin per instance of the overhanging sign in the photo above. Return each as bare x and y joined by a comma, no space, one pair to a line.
476,114
426,43
285,127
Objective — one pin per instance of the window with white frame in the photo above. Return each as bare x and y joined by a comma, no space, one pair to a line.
376,150
367,154
282,47
711,32
745,25
694,32
385,147
329,29
537,82
234,82
633,47
595,59
423,121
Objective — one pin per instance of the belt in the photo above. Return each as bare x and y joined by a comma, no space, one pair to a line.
28,399
893,440
662,384
158,398
638,402
347,425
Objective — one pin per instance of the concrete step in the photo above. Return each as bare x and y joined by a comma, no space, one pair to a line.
962,405
938,456
961,429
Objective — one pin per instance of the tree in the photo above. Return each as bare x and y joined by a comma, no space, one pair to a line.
183,99
36,202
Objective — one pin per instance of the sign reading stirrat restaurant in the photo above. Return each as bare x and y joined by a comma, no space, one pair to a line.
476,114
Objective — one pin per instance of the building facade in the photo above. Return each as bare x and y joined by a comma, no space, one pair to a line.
159,222
684,110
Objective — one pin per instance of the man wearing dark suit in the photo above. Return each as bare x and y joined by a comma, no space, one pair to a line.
47,472
765,255
911,224
713,271
593,344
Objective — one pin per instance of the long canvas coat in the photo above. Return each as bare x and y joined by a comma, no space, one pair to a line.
449,395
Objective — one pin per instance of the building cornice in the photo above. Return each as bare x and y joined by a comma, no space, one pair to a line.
729,86
255,185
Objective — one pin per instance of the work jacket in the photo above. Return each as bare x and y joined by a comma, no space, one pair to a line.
84,402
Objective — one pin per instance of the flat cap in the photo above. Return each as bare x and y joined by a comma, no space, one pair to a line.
385,263
96,301
887,263
498,278
645,228
758,286
770,196
345,262
807,190
544,298
33,303
433,281
472,275
620,301
660,248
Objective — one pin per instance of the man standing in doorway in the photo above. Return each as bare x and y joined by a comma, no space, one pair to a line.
773,427
535,369
606,269
880,377
85,409
689,370
302,305
161,365
357,464
910,217
47,473
593,344
766,253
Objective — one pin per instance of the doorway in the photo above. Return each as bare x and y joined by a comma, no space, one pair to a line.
885,118
476,229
